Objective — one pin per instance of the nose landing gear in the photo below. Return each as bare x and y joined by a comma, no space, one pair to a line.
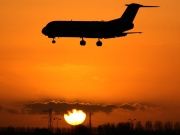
82,42
53,41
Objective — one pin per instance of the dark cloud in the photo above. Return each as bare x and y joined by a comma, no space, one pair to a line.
12,111
9,110
136,106
62,107
0,108
128,107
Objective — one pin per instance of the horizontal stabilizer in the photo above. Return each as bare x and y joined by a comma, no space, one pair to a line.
139,5
150,6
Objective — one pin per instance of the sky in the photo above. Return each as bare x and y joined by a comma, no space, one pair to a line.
136,76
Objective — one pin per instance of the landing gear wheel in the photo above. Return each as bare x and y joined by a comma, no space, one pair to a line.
53,41
82,42
99,43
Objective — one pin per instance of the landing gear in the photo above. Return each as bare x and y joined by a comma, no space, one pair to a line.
82,42
99,43
53,41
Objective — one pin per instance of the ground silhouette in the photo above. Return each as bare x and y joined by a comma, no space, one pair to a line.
126,128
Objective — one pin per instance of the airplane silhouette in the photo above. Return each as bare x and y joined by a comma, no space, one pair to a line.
95,29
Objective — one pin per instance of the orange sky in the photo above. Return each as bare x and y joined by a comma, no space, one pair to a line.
138,68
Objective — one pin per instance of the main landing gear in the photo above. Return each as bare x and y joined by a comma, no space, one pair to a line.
98,43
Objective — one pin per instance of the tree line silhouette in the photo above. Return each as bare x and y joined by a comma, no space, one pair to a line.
126,128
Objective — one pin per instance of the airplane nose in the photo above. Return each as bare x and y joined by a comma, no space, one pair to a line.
44,31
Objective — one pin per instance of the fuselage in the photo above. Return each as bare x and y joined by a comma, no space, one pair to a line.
87,29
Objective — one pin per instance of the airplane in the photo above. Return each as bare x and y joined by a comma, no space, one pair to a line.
95,29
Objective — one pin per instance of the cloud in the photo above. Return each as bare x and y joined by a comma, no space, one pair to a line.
9,110
63,107
12,111
136,106
0,108
128,107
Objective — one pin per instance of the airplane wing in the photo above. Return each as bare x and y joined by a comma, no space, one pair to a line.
122,34
127,33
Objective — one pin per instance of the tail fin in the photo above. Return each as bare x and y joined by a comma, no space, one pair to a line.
131,11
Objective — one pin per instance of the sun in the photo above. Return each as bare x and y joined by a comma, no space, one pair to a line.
75,117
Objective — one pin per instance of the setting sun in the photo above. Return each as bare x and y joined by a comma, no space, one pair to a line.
75,117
